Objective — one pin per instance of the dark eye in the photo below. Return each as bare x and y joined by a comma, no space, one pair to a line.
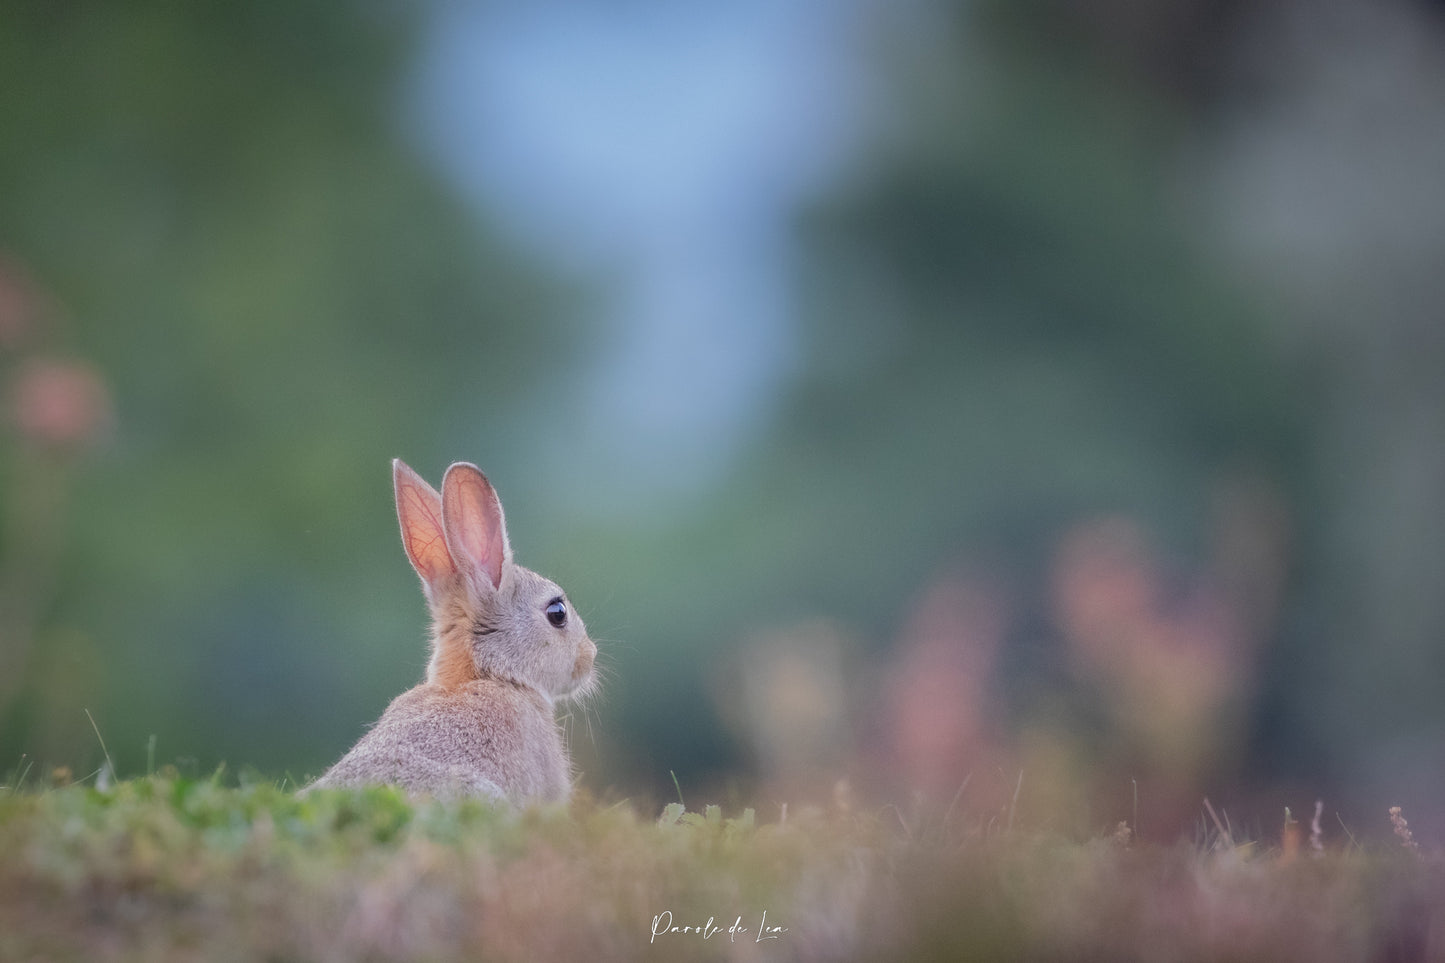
557,612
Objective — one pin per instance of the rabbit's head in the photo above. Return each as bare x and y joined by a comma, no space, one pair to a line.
491,618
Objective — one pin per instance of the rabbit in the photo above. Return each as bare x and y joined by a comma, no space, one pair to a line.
505,646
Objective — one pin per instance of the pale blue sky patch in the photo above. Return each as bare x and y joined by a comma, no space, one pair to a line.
669,145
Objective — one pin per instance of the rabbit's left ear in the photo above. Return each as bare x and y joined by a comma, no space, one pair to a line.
476,531
419,509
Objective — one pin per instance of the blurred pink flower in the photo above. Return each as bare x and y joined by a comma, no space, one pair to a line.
937,714
61,404
1167,653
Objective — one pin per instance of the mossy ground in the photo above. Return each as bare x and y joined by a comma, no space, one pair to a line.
171,868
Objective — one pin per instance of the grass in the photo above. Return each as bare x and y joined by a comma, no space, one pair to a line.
166,868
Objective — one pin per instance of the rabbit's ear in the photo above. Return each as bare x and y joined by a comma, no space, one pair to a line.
476,532
419,509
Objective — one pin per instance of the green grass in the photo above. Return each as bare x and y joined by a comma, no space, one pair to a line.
172,868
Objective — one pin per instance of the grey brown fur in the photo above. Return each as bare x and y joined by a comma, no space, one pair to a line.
483,722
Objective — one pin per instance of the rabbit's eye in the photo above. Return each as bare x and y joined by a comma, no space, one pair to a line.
557,612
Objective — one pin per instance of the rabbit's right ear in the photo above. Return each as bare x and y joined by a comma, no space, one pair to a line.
476,531
419,509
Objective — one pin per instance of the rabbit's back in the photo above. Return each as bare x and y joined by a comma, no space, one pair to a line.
482,738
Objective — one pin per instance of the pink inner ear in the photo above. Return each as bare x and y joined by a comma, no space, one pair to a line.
473,518
418,508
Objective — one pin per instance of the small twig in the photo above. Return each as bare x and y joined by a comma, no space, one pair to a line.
901,821
678,786
1317,845
103,749
948,813
20,780
1223,833
1009,826
1136,806
1347,831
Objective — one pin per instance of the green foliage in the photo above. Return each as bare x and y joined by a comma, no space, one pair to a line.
1008,319
171,868
1006,325
220,212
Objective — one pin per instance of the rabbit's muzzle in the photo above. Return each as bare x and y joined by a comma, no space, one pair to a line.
586,655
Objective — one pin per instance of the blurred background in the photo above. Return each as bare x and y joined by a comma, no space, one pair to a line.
906,393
